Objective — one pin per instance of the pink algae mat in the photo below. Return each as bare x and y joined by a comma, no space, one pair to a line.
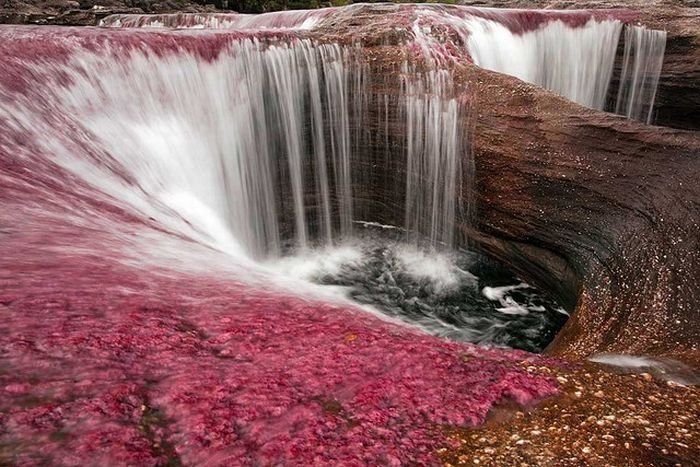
102,364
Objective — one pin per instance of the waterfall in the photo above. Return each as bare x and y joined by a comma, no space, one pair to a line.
576,63
435,147
641,68
249,148
262,141
570,52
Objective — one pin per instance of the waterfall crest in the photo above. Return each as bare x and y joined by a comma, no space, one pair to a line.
293,19
571,52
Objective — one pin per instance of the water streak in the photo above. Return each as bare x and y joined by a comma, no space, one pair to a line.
299,19
641,69
435,147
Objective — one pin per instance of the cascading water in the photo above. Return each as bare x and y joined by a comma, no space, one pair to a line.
572,53
574,62
155,184
223,145
641,68
573,56
262,143
435,148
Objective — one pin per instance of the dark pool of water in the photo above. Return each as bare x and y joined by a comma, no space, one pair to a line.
460,295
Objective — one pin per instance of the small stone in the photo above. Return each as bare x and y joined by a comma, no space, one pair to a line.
599,394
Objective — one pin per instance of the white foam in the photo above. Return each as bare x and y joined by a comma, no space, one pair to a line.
508,305
435,267
312,264
498,293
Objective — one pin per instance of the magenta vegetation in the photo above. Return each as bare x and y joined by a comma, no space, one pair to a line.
126,366
143,365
